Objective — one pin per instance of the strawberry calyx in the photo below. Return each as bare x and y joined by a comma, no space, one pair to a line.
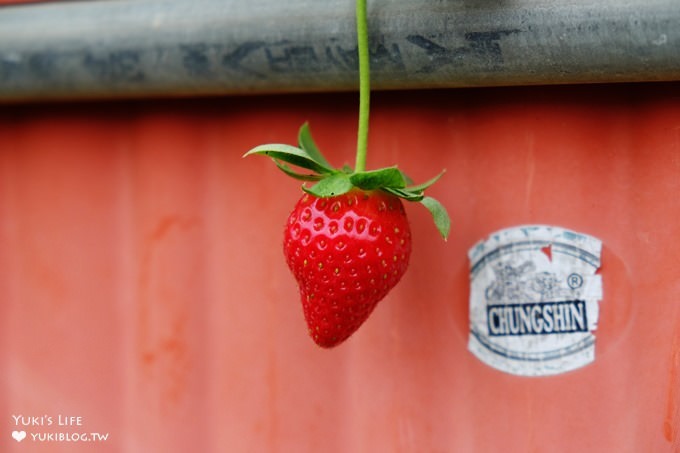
330,182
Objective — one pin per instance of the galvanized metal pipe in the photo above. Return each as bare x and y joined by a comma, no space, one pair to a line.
132,48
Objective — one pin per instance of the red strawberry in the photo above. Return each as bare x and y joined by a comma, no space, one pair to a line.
347,241
346,253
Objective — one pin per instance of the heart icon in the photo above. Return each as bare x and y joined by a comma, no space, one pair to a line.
19,435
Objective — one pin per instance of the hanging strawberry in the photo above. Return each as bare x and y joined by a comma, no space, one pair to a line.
347,241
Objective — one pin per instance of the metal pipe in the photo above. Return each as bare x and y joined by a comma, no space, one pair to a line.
134,48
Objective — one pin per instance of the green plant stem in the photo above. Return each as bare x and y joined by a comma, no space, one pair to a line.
364,85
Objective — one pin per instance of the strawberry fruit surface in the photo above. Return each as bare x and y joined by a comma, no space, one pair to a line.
346,253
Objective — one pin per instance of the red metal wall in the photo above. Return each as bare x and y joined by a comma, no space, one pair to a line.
143,287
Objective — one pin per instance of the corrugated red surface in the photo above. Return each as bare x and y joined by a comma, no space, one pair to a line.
143,287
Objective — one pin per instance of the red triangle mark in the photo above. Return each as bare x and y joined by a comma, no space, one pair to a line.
548,251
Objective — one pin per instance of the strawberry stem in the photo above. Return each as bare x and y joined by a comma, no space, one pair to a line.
364,85
331,182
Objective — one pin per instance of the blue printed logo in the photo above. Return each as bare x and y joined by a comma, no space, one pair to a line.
534,293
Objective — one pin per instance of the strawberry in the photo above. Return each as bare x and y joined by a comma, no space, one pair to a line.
346,253
347,241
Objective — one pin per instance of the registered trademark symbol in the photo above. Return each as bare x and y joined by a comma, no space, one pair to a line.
575,281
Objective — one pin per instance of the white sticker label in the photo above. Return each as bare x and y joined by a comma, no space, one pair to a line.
534,297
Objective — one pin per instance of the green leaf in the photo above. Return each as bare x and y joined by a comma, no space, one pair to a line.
426,184
405,194
333,185
376,179
292,155
441,217
306,142
293,174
